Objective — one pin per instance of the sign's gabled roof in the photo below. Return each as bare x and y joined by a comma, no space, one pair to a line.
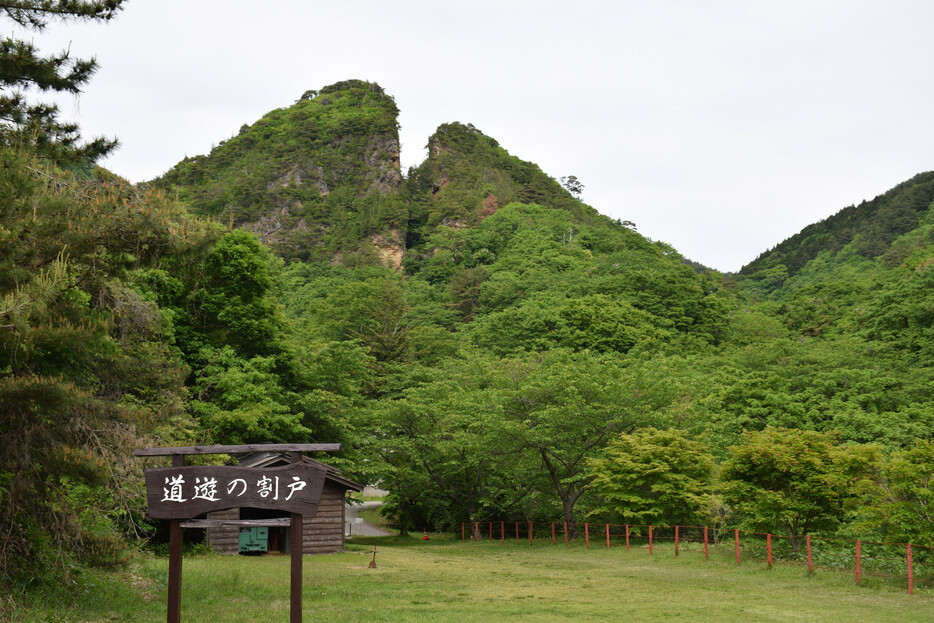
275,459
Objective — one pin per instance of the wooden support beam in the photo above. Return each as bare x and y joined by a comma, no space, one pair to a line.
295,597
255,447
280,522
173,613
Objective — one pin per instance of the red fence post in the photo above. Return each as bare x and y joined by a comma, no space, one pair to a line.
810,565
608,536
587,535
491,530
463,533
768,548
531,533
552,533
502,532
650,540
517,533
565,534
627,537
676,540
705,543
476,531
858,560
736,538
911,575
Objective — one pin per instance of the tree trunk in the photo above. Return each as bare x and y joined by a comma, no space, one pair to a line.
567,506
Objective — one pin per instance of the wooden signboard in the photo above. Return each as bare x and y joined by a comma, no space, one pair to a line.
181,492
186,492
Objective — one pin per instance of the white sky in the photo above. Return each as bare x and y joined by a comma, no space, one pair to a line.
721,127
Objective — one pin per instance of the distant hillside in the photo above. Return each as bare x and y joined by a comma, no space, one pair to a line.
317,180
852,236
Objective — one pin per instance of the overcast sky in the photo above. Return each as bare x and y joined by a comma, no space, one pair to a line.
719,127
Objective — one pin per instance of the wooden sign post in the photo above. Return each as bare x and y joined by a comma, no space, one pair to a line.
180,493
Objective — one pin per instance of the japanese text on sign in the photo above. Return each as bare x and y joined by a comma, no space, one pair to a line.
185,492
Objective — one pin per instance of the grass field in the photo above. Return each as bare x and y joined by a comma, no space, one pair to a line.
444,580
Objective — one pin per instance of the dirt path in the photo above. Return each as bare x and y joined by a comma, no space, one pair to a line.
354,525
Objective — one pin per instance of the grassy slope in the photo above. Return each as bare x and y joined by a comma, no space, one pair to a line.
441,580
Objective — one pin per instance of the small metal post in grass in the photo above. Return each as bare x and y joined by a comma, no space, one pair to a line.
586,535
736,538
608,536
463,533
676,540
517,533
705,543
911,575
768,548
502,532
565,534
531,533
627,537
650,540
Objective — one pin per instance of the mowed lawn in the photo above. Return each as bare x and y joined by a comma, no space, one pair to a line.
444,580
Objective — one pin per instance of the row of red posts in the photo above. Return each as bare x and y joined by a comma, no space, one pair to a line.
768,544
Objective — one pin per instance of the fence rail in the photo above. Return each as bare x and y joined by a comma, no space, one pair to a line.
897,562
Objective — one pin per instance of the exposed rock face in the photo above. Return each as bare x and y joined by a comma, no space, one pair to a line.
382,156
317,180
297,176
391,248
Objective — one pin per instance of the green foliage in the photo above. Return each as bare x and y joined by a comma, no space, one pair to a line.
527,361
440,450
653,476
242,401
786,479
234,304
562,407
898,494
902,313
85,373
36,124
530,278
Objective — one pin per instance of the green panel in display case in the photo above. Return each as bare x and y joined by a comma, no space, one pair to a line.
254,539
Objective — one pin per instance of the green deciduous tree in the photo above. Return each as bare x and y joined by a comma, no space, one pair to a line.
439,450
898,496
243,401
787,479
653,476
562,407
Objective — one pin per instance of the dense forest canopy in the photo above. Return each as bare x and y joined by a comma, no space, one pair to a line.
484,344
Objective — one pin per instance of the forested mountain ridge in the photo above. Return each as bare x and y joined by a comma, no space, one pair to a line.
320,180
854,235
